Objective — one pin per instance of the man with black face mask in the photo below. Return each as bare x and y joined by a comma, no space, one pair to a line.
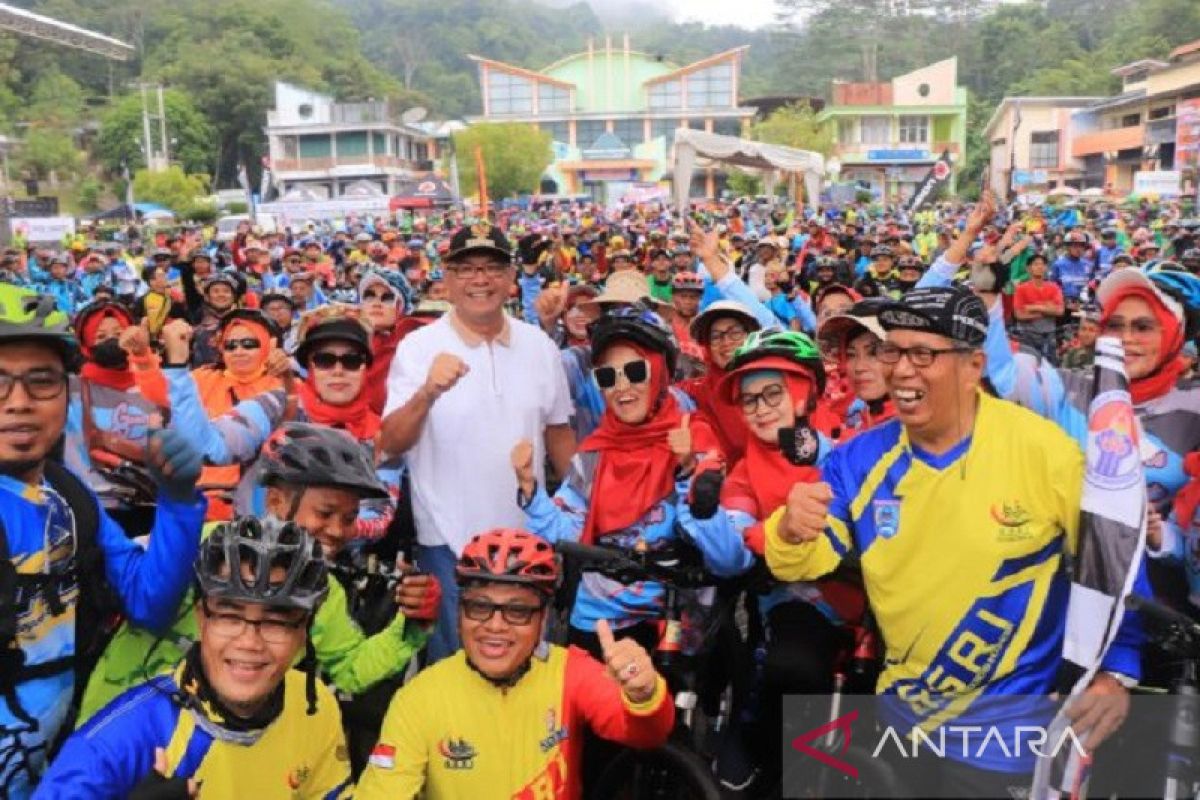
110,421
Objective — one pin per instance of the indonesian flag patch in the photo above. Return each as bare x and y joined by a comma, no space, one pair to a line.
383,756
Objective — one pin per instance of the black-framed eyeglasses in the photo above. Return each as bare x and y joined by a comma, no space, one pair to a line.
734,335
383,297
39,384
494,269
273,630
634,371
772,396
248,343
918,356
353,362
478,609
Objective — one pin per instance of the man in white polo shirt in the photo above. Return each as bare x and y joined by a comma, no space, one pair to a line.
461,393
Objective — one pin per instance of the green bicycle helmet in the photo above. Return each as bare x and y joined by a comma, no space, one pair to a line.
789,351
28,316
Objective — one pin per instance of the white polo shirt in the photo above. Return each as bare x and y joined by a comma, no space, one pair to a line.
460,468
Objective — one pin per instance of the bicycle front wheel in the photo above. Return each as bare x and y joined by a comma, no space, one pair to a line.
670,772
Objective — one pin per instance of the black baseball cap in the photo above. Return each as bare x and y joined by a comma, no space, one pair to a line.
953,311
478,238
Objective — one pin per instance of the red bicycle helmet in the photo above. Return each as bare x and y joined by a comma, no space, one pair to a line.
687,281
509,555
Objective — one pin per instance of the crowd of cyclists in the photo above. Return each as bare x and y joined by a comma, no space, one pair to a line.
280,516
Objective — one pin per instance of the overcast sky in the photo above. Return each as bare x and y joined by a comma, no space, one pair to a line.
747,13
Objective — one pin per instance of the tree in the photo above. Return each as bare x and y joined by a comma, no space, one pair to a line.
55,101
120,140
795,125
172,188
515,156
47,152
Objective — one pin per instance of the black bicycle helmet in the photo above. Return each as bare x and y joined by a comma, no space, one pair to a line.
236,561
303,454
251,315
634,323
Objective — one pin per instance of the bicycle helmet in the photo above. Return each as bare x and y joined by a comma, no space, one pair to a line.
634,323
1184,288
333,323
303,454
1191,255
882,251
509,555
262,546
787,351
687,282
828,262
250,315
394,280
910,262
26,316
1075,237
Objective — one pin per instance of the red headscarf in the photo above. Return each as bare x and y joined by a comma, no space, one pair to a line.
637,467
356,419
383,347
1187,499
724,417
771,474
120,379
1172,365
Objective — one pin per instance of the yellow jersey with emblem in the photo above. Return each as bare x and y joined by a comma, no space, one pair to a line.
450,733
297,757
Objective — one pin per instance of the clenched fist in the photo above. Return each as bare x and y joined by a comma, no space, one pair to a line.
807,508
445,371
522,462
135,340
177,341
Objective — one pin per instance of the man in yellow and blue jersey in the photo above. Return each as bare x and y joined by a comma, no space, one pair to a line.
233,717
963,511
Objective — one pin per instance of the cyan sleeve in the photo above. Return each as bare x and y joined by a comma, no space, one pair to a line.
732,288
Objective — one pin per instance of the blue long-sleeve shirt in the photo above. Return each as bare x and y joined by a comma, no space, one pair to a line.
150,583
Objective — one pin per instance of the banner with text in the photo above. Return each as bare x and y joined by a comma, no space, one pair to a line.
939,173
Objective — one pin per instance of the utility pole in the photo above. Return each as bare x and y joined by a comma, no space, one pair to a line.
147,146
162,129
157,157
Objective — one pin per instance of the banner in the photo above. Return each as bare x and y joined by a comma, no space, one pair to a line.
1187,132
1161,183
481,178
42,229
939,173
1112,536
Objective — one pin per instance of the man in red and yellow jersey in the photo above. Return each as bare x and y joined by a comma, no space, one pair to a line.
504,717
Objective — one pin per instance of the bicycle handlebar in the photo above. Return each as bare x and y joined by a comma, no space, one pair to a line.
1179,632
627,567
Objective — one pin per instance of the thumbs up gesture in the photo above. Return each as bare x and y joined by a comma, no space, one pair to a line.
628,664
680,441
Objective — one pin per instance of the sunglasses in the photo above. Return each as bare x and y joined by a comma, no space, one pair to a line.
383,297
353,362
634,372
243,344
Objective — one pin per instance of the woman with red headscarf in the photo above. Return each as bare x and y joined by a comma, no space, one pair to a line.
245,339
385,297
109,419
629,482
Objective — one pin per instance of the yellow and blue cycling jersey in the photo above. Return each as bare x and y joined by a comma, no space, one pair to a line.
963,561
296,756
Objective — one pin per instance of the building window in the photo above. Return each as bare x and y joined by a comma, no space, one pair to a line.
588,131
1131,120
289,146
665,95
315,146
1043,150
727,127
664,127
629,131
509,94
1162,112
711,87
553,99
914,130
846,131
353,143
379,144
559,131
875,130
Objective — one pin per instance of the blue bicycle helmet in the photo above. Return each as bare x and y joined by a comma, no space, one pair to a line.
1183,287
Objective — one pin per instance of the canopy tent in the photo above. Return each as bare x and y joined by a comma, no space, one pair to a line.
701,149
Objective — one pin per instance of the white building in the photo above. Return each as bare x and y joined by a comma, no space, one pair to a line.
322,149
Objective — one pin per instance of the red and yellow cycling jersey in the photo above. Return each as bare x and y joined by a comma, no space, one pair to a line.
452,734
